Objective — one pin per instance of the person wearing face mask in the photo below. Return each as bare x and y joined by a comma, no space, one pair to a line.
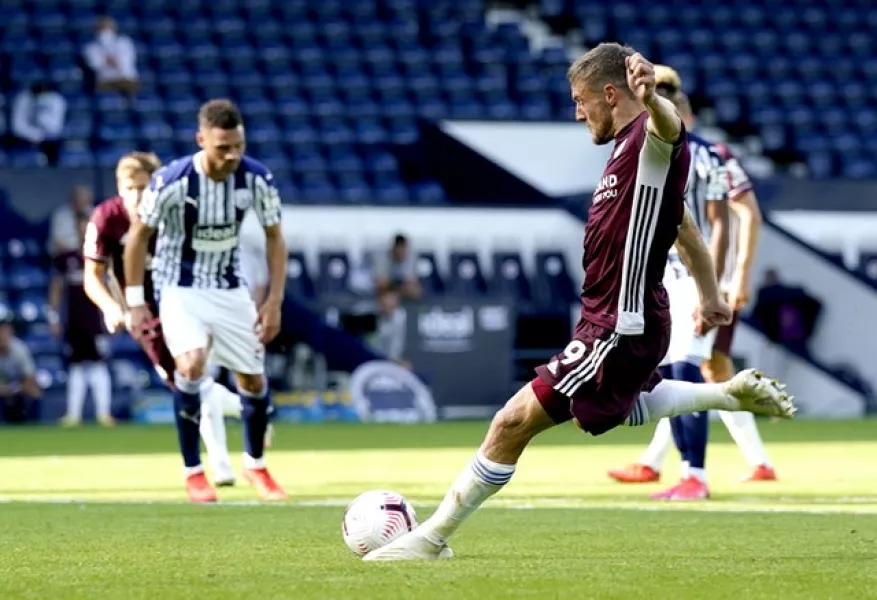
112,58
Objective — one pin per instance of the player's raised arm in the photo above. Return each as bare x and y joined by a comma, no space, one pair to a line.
268,210
664,120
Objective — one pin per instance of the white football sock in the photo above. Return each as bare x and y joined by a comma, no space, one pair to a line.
76,389
478,482
212,426
254,463
231,402
698,473
101,388
741,425
672,398
655,454
684,469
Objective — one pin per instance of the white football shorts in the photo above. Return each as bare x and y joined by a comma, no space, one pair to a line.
685,344
224,320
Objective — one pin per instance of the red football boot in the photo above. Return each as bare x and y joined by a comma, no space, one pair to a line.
691,489
265,485
635,473
199,489
762,473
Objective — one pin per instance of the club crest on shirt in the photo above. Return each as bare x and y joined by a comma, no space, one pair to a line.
243,199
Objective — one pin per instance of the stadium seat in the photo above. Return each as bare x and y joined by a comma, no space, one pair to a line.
50,371
428,274
334,273
40,340
465,277
299,283
552,284
509,279
32,308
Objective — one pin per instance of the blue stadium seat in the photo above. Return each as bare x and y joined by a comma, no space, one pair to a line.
40,340
51,374
465,277
31,307
334,272
426,268
299,283
552,284
19,252
508,278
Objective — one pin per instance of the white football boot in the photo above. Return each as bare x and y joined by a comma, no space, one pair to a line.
411,546
760,395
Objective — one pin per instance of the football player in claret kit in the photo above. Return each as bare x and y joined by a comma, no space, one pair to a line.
103,280
86,346
607,376
196,204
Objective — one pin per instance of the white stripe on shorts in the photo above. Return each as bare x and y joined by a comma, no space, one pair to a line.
585,371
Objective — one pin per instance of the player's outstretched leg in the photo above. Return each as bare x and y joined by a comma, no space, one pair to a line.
213,399
255,413
748,390
492,467
187,411
690,431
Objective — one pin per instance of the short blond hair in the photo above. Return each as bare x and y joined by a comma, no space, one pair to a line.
602,64
137,162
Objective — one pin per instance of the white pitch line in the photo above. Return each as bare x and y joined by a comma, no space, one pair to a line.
753,505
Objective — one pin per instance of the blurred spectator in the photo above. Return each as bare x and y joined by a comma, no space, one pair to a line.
86,345
389,336
2,116
18,384
63,232
112,58
786,313
394,270
38,116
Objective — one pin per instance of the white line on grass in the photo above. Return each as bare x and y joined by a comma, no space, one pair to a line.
738,505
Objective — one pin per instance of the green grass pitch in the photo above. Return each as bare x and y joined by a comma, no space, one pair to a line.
101,514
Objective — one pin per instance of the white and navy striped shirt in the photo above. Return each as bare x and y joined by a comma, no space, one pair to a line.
198,220
706,184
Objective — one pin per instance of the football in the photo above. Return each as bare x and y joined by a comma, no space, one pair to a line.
375,519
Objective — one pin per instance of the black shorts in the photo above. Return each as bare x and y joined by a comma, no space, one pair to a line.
85,346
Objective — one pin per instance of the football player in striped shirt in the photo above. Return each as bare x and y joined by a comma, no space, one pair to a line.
711,185
196,204
103,281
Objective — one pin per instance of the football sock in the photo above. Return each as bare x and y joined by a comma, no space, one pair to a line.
693,428
697,473
212,425
475,484
672,398
742,427
187,412
655,454
255,409
76,389
101,388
